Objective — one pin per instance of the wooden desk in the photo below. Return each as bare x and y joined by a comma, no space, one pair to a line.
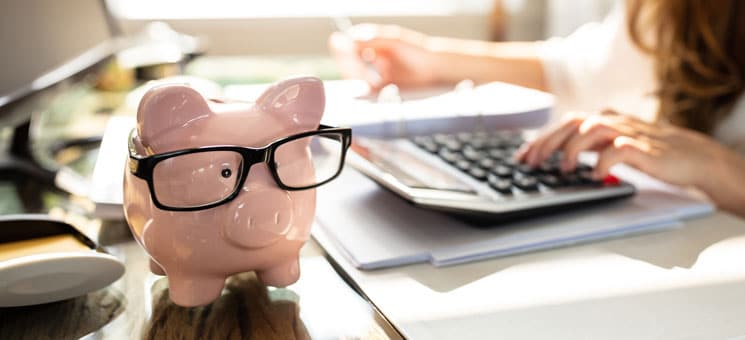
319,306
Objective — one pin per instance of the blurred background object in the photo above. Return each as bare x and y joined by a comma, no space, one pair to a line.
235,27
158,51
249,42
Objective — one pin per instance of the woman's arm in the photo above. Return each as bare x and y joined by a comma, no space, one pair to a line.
480,61
726,183
409,58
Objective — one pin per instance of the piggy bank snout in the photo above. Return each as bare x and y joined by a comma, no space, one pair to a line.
258,217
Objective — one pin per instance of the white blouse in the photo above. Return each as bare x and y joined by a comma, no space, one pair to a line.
598,67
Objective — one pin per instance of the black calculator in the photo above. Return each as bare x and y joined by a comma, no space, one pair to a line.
474,175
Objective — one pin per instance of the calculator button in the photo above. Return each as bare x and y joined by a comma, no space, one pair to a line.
478,173
502,185
472,154
549,180
526,183
449,156
487,163
463,164
502,170
498,153
525,169
611,180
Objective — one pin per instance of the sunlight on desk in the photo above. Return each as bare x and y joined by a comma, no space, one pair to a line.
620,288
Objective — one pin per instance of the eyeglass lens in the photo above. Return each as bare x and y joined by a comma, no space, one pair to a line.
325,151
197,179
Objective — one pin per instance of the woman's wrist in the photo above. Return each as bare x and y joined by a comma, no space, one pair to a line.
725,182
444,56
453,60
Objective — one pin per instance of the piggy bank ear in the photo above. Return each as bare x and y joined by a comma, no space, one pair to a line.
298,100
167,108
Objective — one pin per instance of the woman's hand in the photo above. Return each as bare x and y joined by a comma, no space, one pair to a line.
384,54
673,154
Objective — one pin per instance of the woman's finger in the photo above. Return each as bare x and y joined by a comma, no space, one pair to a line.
626,150
593,132
377,70
554,139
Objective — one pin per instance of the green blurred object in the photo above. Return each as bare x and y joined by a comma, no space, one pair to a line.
10,202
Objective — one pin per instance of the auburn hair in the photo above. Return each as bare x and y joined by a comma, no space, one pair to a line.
698,47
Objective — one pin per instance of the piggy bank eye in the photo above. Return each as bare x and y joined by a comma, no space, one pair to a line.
226,173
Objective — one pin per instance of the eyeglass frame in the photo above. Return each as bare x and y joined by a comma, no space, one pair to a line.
143,166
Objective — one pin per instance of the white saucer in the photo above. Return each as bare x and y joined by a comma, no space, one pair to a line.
49,277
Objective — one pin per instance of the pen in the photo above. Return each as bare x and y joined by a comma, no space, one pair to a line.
343,25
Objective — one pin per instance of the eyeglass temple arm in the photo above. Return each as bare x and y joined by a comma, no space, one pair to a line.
326,127
133,162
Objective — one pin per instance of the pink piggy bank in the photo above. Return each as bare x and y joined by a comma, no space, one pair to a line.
215,188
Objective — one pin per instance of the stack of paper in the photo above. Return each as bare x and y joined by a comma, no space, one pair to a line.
376,229
106,189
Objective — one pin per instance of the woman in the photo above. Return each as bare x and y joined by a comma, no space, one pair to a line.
674,68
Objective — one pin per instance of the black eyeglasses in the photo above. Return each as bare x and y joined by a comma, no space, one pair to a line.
205,177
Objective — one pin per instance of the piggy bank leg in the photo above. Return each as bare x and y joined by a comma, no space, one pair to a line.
194,290
156,268
282,274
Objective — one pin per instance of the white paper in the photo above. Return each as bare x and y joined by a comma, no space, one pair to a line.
433,110
377,229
